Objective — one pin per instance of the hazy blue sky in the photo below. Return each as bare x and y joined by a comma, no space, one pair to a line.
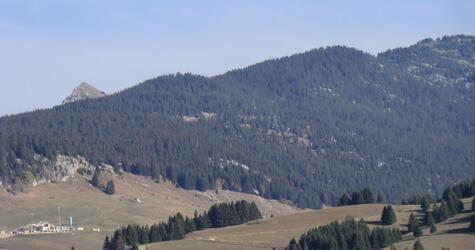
48,47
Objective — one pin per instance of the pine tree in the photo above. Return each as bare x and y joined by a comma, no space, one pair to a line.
418,245
118,241
293,245
472,223
417,231
388,216
110,188
412,223
356,198
380,198
433,227
425,204
344,200
96,178
441,213
367,195
107,244
254,212
131,235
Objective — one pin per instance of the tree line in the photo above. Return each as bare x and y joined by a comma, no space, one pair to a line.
365,196
219,215
349,234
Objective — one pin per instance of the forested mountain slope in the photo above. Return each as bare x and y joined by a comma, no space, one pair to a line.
305,128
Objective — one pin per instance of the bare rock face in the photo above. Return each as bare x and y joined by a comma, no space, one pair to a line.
84,91
60,169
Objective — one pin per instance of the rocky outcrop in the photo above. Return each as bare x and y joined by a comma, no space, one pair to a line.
64,168
84,91
59,169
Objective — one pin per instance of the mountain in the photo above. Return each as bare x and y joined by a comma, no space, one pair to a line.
305,128
84,91
446,61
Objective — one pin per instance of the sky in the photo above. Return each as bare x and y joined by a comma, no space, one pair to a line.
48,47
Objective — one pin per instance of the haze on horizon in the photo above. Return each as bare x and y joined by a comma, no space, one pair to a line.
48,47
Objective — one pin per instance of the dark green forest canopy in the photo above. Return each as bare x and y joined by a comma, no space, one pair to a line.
306,128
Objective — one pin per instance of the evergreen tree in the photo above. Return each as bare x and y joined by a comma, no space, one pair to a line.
472,223
293,245
441,213
430,222
254,212
433,227
96,178
118,241
131,235
356,198
110,188
417,231
344,200
367,195
425,204
388,216
418,245
107,244
412,223
453,202
380,198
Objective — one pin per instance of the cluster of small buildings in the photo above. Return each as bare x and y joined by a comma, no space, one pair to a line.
41,228
44,227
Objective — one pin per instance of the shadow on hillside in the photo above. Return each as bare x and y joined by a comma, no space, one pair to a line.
374,222
458,231
458,220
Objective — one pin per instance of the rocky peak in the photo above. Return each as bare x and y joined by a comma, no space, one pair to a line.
84,91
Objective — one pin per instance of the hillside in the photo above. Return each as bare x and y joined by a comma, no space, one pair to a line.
277,232
304,128
137,200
